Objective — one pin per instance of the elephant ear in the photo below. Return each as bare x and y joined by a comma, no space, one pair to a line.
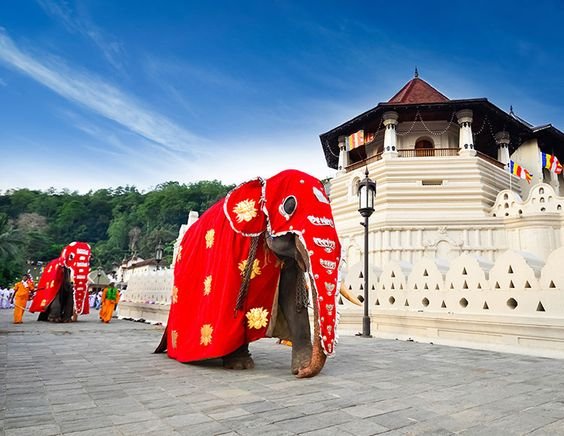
243,208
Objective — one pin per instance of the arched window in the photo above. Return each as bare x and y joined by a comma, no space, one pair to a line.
424,147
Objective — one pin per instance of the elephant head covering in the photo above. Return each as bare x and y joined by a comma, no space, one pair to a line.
226,278
76,257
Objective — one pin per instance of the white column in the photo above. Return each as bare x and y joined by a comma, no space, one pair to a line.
390,137
502,140
343,155
465,139
554,182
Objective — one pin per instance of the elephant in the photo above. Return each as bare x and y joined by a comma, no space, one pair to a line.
61,308
62,289
243,271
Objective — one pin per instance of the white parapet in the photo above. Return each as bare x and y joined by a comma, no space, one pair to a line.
515,304
148,296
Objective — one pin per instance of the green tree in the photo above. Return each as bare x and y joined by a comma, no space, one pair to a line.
10,251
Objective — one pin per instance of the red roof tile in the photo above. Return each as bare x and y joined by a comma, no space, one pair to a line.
418,91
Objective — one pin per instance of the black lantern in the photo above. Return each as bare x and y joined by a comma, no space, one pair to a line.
366,196
159,254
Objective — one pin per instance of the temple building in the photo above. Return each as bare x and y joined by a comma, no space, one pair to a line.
466,241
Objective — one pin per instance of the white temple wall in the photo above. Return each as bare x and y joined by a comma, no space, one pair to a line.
514,304
148,296
527,155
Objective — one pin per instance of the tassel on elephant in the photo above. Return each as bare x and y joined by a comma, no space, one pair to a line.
243,271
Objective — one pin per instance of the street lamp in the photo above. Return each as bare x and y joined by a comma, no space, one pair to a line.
98,275
366,196
159,254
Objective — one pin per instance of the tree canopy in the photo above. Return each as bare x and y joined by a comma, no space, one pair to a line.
118,223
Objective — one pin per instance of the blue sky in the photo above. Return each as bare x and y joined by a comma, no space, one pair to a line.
102,93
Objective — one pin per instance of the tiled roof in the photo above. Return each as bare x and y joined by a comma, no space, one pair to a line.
418,91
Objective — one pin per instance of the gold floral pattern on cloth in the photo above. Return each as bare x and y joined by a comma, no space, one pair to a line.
245,210
256,271
49,270
179,254
207,285
174,338
206,334
174,294
52,283
257,318
209,238
43,303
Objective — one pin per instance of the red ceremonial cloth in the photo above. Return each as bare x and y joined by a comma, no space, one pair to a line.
48,286
75,256
203,322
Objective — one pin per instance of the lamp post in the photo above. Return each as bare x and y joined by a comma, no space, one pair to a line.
366,196
98,275
159,254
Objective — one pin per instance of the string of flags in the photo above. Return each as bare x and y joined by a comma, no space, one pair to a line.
359,138
551,163
519,171
548,161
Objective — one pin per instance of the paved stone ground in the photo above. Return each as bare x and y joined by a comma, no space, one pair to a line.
89,378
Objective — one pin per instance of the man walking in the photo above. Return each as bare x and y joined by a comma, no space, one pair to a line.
22,293
110,298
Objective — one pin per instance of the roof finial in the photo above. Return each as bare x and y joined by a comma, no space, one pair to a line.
416,75
511,110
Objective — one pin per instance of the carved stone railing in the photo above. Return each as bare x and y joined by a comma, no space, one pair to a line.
513,304
423,152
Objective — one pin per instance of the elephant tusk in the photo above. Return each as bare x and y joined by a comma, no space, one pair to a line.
345,293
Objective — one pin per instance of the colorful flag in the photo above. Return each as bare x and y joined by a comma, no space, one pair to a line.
519,171
355,140
551,162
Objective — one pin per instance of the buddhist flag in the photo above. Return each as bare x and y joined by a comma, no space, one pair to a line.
356,139
551,162
519,171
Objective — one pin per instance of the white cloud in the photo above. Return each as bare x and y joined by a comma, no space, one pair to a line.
78,24
102,98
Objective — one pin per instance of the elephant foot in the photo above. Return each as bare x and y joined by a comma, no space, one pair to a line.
239,359
238,362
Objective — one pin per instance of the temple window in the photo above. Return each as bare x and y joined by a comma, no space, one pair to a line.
424,147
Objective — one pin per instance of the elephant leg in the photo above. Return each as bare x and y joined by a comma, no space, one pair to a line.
239,359
55,309
161,348
43,316
297,320
67,306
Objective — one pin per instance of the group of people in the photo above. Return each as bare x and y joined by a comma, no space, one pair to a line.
23,291
6,298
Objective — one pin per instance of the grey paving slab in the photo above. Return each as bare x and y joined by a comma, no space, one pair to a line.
89,378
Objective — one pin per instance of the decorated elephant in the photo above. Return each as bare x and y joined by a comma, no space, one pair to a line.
62,292
243,271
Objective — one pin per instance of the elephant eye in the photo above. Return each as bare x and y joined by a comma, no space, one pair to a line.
288,206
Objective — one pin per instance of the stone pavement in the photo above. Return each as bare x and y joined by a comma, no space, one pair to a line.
89,378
